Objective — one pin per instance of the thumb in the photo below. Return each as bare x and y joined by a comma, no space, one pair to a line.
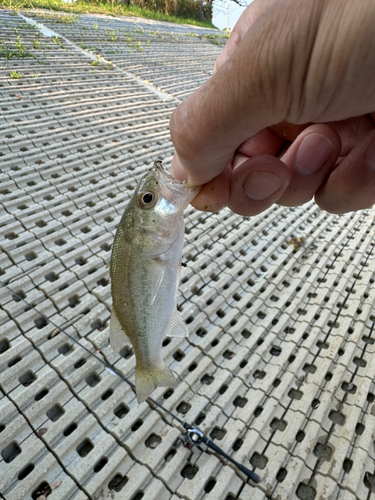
255,88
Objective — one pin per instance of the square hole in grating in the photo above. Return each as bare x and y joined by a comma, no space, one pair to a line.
117,482
70,429
107,394
65,349
309,368
281,475
275,350
10,452
347,465
258,460
99,465
168,393
55,412
60,242
278,425
305,492
323,451
258,411
200,418
30,256
121,410
18,296
210,485
51,277
189,471
207,379
240,401
79,363
337,417
237,444
44,489
84,448
4,345
73,301
217,433
259,374
126,352
228,354
138,496
178,355
93,379
183,407
295,394
201,332
27,378
223,389
41,394
349,387
153,441
40,322
245,333
171,453
14,361
25,471
137,424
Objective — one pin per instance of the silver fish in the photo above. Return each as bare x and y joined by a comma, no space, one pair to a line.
145,270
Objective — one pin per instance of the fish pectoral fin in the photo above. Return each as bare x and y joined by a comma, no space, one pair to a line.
117,336
177,327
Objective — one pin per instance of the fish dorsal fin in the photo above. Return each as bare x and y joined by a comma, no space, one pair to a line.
177,327
117,336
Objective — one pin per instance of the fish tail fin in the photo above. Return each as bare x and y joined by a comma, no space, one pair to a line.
146,381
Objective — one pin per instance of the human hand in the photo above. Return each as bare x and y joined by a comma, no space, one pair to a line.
289,113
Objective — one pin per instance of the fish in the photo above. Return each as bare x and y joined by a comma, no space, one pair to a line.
145,271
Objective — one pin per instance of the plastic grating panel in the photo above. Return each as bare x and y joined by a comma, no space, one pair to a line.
277,369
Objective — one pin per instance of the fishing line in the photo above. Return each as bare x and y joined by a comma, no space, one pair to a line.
193,435
110,367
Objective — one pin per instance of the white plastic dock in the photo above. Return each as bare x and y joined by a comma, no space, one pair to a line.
277,370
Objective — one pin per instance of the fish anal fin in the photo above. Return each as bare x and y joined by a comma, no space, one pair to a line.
177,327
146,381
117,336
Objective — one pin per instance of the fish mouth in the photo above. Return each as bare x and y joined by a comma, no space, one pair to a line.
174,186
163,176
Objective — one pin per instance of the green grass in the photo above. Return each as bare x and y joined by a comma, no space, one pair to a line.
83,7
15,75
14,53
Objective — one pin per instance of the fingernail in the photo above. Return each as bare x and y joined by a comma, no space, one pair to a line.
313,153
370,156
261,185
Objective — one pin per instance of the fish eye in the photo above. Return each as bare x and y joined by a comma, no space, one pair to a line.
147,199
